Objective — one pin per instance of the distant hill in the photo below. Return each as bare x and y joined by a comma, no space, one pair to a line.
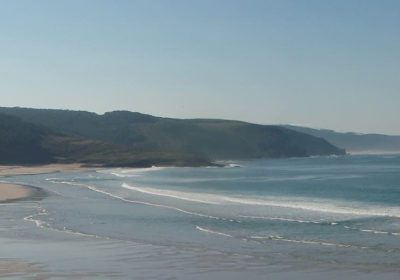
27,143
128,138
355,142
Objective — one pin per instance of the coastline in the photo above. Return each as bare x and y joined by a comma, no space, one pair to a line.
10,192
14,192
14,170
124,239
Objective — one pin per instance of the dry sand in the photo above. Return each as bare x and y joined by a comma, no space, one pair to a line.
11,170
13,192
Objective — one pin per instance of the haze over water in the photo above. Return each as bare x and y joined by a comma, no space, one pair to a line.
308,218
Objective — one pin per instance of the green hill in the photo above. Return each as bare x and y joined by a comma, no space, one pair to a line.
20,142
26,143
129,138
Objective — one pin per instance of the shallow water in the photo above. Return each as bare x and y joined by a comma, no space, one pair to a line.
289,218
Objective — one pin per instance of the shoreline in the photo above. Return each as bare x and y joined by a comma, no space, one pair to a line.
13,192
15,170
10,192
143,234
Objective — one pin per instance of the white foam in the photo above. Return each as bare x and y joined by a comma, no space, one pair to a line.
193,197
123,175
297,203
140,202
281,238
283,219
213,232
266,237
324,206
312,242
373,231
43,225
232,165
130,172
38,223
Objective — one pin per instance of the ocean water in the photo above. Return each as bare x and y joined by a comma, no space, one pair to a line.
295,218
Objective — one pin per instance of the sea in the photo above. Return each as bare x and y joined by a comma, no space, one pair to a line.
335,217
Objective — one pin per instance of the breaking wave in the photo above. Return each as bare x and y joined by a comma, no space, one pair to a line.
297,203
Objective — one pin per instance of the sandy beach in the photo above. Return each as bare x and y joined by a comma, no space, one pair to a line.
10,268
13,170
12,192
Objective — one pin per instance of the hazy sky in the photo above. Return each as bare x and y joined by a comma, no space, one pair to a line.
332,64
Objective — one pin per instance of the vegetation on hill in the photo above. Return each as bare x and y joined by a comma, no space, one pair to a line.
20,142
26,143
134,139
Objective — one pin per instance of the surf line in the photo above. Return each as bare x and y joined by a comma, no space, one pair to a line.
139,202
170,194
286,220
373,231
301,205
212,231
311,242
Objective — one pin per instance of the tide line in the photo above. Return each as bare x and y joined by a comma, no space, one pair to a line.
139,202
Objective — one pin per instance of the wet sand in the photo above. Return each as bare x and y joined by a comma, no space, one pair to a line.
13,268
12,192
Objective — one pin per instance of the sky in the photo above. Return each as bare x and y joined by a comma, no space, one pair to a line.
324,64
